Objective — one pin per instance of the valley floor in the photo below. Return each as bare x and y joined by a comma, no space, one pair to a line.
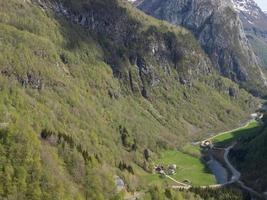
192,170
189,168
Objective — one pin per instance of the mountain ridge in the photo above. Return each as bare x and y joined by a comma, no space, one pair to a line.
255,24
233,57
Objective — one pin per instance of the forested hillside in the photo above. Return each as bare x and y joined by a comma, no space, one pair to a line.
251,158
87,86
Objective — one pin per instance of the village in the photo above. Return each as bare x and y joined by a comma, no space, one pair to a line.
167,170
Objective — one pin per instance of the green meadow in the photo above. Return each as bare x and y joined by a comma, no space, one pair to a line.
188,168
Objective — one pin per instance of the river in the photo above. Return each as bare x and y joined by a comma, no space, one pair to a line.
218,170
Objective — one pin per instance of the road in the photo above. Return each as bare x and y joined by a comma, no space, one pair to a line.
236,175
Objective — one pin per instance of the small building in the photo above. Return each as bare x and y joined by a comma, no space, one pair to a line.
206,144
254,115
173,166
162,172
257,116
159,168
171,169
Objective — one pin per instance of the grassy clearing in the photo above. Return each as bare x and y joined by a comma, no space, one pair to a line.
193,150
188,168
225,138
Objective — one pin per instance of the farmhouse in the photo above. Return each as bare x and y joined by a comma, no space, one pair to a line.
206,144
171,170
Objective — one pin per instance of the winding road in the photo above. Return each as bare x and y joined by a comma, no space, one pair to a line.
236,174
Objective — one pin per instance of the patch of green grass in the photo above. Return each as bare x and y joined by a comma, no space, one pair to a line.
225,138
193,150
188,168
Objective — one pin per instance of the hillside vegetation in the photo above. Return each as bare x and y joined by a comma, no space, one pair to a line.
251,158
82,97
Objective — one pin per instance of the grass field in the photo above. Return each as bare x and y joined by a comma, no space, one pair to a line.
193,150
227,137
188,168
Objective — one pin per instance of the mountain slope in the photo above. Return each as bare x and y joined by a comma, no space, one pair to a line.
253,18
88,86
255,25
220,33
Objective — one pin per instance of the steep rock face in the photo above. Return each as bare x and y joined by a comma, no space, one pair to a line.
252,17
255,25
218,29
